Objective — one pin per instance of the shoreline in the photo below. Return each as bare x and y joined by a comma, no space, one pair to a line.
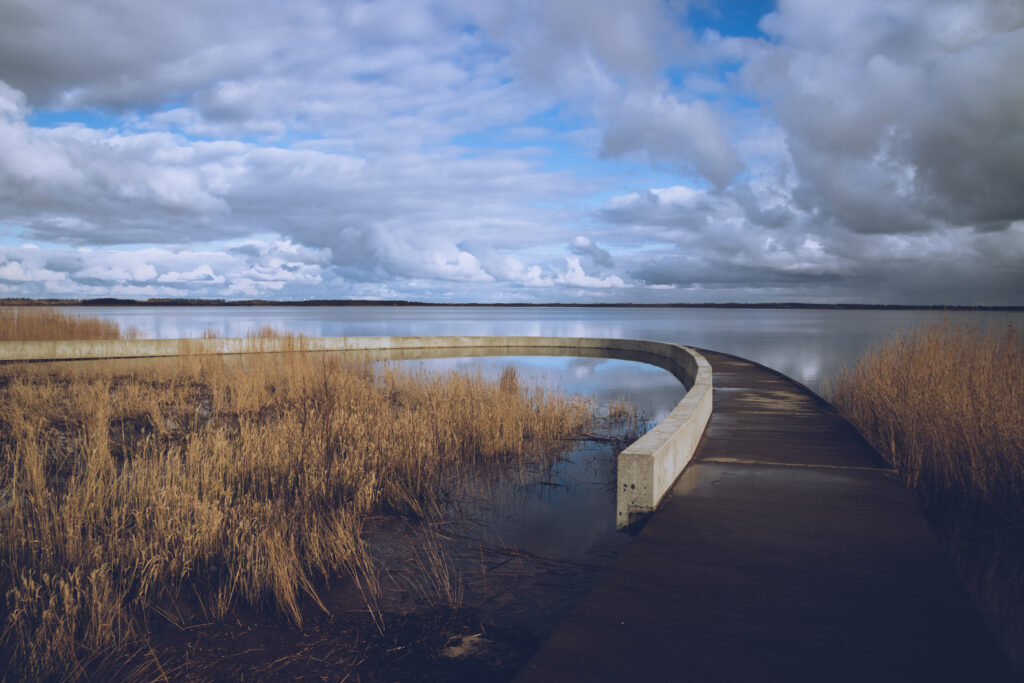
792,305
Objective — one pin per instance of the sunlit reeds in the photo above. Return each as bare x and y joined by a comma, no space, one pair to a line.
30,323
127,488
945,405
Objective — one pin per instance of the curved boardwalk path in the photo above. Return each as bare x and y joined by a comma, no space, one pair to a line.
786,551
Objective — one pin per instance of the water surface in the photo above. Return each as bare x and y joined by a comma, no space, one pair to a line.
527,545
807,345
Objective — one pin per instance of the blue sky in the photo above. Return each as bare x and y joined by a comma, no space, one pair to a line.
590,151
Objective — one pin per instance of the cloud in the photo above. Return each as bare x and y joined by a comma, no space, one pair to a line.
257,267
582,246
684,135
203,274
575,277
67,182
889,174
606,58
703,243
123,55
706,237
14,271
900,116
139,272
577,45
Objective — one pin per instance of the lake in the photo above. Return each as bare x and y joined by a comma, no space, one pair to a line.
808,345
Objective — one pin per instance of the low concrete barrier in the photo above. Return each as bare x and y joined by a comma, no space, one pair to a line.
646,469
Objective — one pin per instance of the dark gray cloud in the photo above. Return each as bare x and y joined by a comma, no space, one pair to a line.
702,245
900,117
893,174
688,137
583,246
124,55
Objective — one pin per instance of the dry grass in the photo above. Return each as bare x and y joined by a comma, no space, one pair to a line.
945,405
18,323
124,492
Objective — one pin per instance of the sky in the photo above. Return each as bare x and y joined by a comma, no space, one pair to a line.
638,151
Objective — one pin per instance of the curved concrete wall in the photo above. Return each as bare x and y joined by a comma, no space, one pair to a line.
646,469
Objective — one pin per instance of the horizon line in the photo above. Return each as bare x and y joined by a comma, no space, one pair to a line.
163,301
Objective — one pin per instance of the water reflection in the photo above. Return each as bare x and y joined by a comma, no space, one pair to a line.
808,345
654,390
528,545
569,510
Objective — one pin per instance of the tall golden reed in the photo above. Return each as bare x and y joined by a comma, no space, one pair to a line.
945,405
31,323
128,487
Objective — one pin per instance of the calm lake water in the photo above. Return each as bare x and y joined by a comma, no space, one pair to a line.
807,345
548,534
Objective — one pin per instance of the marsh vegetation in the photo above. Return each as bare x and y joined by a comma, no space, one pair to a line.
191,490
21,323
945,405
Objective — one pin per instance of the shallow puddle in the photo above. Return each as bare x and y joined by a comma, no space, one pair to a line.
522,548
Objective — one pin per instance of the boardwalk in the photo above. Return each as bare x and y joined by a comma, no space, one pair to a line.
786,551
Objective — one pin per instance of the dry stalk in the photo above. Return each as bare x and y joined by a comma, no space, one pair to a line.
945,405
125,488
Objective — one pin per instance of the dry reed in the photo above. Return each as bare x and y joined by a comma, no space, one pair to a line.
20,323
126,488
945,405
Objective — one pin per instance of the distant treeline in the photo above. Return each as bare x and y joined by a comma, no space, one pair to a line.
109,301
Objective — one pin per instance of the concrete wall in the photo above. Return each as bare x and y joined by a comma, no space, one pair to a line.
646,469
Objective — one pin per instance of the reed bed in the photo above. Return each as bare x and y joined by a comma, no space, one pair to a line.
22,323
126,489
945,405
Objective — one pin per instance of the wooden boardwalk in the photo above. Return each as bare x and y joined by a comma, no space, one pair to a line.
786,551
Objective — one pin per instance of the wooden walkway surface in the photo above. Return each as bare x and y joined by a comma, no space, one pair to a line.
786,551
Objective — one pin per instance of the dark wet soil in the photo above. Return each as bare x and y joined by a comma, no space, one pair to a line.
987,549
438,644
507,601
468,596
